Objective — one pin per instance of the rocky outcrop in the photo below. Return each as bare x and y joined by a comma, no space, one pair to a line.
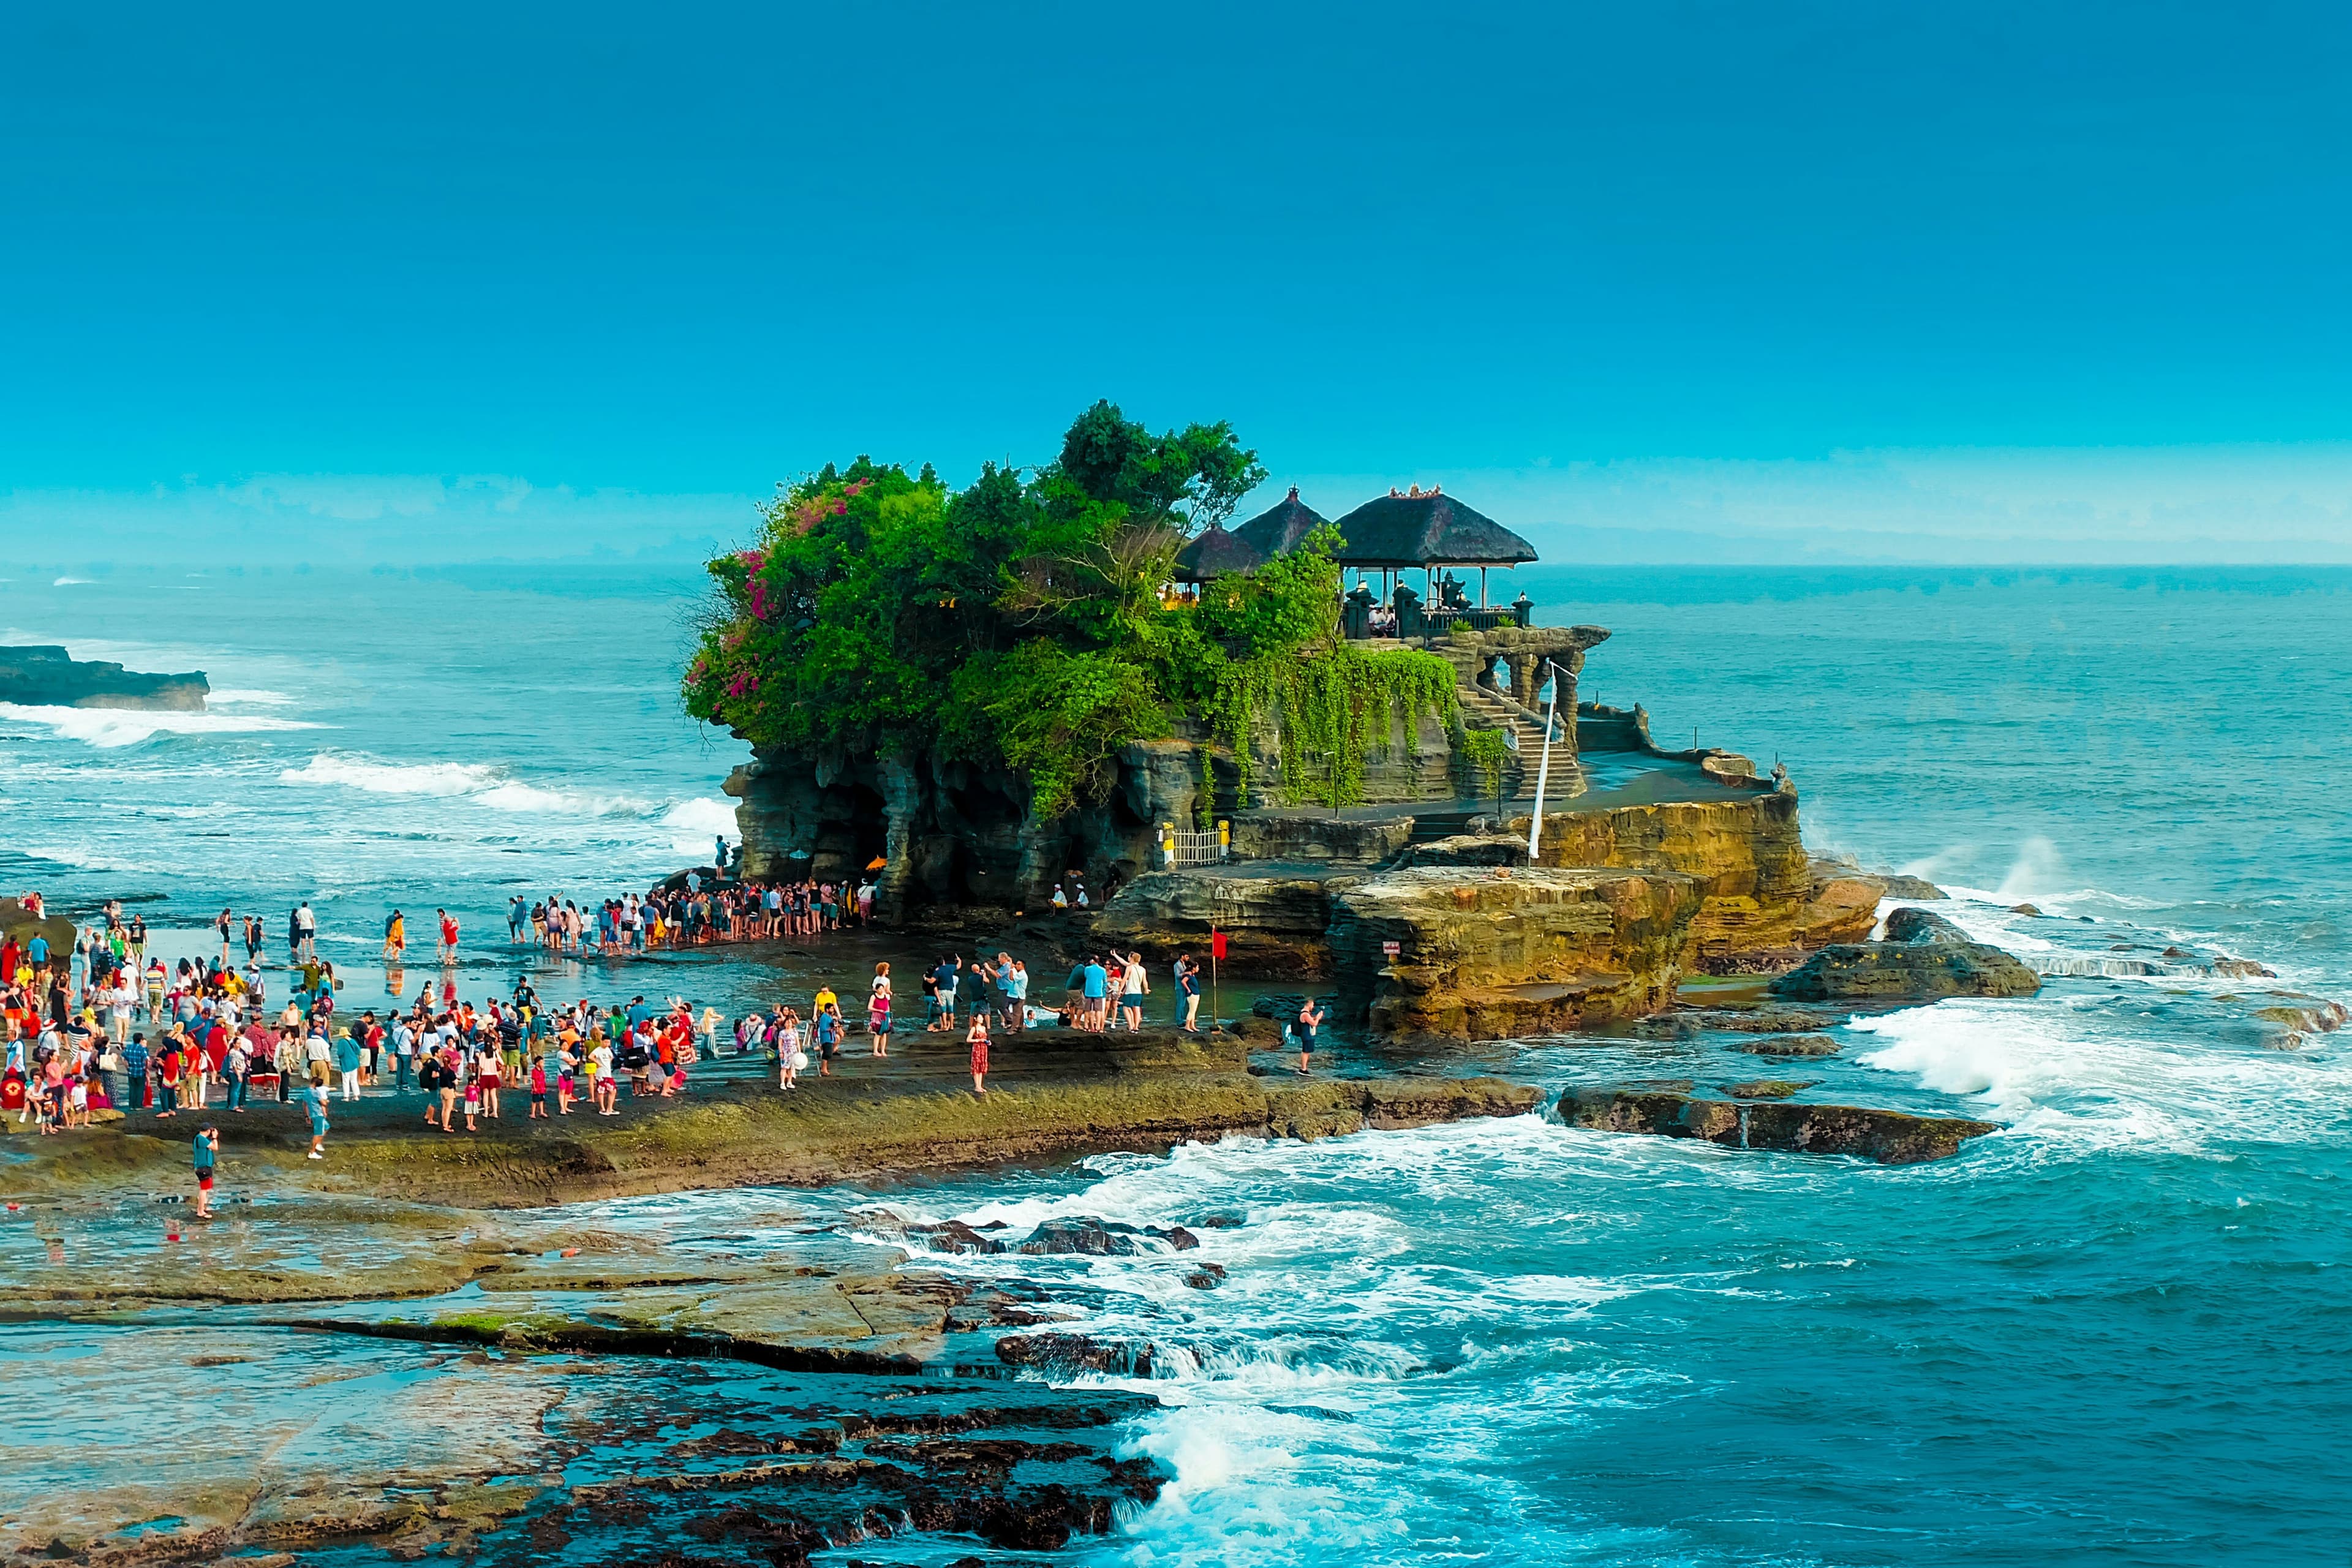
1800,1046
2291,1022
51,678
16,921
1765,903
1889,1137
1275,921
1925,957
1508,953
1770,1087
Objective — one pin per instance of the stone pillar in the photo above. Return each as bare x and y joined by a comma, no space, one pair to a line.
902,799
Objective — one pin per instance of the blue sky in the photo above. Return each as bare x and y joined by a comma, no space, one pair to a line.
452,280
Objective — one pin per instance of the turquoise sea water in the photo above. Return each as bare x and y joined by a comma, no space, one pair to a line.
2113,1333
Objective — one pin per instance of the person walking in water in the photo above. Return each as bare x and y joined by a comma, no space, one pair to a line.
447,952
978,1037
395,936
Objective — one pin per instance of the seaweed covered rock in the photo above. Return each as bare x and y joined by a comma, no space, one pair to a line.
1925,957
1889,1137
1790,1046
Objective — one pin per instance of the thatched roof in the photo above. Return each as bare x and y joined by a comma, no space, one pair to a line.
1278,530
1215,554
1426,529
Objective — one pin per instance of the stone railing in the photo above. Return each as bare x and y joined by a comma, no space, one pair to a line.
1409,620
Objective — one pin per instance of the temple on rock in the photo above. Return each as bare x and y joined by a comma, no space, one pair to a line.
950,833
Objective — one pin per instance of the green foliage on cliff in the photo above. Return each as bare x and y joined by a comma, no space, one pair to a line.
1023,623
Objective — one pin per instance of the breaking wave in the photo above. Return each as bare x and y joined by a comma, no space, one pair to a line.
110,727
686,825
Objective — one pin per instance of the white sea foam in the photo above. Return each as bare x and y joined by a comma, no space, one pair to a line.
682,827
69,583
108,728
2094,1074
244,698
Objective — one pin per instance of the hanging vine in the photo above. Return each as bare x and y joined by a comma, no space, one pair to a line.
1481,752
1334,708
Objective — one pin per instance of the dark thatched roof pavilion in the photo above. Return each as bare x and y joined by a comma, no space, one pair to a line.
1429,529
1215,554
1278,530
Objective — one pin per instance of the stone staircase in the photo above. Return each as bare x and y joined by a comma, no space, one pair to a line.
1485,709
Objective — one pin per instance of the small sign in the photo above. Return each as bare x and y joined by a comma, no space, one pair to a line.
1391,948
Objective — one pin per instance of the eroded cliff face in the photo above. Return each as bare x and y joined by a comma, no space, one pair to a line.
950,834
1764,902
1499,953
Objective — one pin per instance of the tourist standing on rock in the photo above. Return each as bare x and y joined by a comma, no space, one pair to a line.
1187,993
826,1025
221,923
789,1060
1310,1017
1095,984
206,1155
606,1089
877,1011
306,926
235,1068
347,1063
433,1077
1012,980
977,1038
1133,989
315,1102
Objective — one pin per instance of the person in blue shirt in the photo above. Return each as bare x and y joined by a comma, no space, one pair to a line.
1097,990
347,1063
37,951
206,1155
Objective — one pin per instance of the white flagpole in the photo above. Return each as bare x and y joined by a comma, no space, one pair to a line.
1543,769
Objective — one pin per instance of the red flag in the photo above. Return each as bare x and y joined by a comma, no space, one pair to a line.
1217,945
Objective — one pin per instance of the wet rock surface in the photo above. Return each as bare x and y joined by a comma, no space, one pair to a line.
1888,1137
609,1393
1768,1087
1792,1046
1924,958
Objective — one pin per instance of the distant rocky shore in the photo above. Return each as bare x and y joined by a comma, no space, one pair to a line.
41,676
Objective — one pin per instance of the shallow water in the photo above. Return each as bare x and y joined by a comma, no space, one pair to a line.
2110,1333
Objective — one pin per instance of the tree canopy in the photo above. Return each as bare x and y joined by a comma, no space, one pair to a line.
1023,622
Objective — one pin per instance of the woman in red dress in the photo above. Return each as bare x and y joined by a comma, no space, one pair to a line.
978,1039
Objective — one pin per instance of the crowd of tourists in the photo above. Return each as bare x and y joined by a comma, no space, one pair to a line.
107,1026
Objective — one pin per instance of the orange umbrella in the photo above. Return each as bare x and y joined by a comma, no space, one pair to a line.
876,863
